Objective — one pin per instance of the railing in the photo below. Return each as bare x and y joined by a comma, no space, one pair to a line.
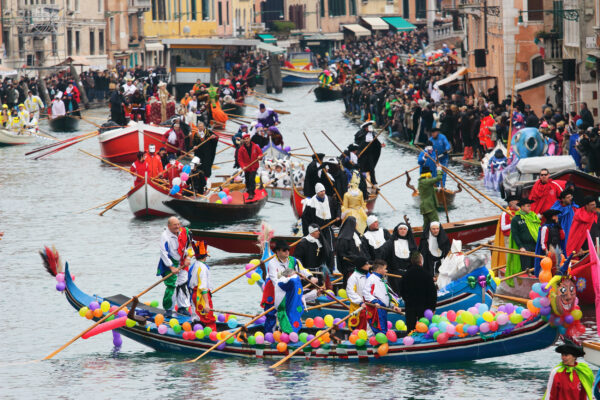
443,32
553,49
140,3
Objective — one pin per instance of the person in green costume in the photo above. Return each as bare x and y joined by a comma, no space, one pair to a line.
429,203
524,229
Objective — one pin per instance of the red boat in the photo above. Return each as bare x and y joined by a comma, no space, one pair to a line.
247,242
297,198
146,200
122,144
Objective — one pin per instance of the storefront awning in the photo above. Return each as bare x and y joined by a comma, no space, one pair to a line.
399,24
453,77
75,60
324,36
535,82
376,23
270,48
357,30
154,47
266,38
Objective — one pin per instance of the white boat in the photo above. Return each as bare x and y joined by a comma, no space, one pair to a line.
146,200
592,351
10,138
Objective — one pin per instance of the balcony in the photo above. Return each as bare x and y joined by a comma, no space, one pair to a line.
139,5
554,50
444,31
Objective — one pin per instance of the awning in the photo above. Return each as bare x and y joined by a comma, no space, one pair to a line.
266,38
453,77
154,46
591,59
357,30
324,36
535,82
376,23
399,24
75,60
270,48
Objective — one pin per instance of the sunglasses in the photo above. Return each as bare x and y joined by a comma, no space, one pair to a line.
543,174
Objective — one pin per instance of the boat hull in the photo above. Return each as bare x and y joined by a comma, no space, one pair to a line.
450,196
296,77
121,145
147,200
65,123
327,94
8,138
233,108
467,231
201,211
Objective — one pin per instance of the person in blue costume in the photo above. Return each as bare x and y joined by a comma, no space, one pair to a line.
289,311
567,207
377,294
573,144
425,161
441,147
551,238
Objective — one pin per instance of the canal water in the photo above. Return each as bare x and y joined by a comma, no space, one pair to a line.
42,203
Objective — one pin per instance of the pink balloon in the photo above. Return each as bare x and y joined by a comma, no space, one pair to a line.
408,341
391,335
285,338
484,327
184,176
319,323
259,339
451,316
162,329
293,337
389,324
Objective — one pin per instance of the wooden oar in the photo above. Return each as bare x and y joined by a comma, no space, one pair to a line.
512,298
445,205
399,176
113,204
283,112
387,201
517,274
98,206
234,313
64,346
474,250
65,145
513,251
320,162
498,267
356,312
265,261
332,142
236,174
47,146
259,94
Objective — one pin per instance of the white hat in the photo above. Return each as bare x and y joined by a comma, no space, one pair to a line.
152,148
319,187
195,160
371,219
434,223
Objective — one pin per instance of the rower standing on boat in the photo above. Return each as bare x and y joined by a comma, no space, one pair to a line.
566,207
376,237
117,102
311,178
58,107
434,246
34,105
354,291
206,152
417,290
267,116
544,192
524,229
169,261
570,379
441,147
154,162
427,195
247,154
199,285
139,168
370,157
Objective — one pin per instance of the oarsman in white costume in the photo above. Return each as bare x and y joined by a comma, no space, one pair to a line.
23,115
376,236
354,290
378,294
58,106
129,87
34,105
169,262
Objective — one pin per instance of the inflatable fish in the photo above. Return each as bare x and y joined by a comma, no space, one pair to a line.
528,142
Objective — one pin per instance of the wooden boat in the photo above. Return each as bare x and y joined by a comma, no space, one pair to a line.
233,108
592,351
199,211
297,77
531,335
458,295
298,206
327,94
283,193
440,193
272,152
64,123
121,145
10,138
147,200
467,231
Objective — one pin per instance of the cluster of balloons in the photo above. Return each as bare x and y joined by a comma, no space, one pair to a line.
153,303
96,310
540,303
60,282
224,197
231,321
256,274
546,272
283,339
359,338
322,322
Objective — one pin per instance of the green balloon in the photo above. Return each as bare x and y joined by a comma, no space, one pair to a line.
230,340
110,318
360,342
303,337
154,303
436,319
177,328
459,320
129,323
436,334
425,321
207,330
251,340
381,338
200,334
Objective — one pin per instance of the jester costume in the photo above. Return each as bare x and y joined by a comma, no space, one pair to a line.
289,311
172,248
377,291
199,283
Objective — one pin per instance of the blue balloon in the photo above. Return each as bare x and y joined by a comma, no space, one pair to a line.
222,195
232,323
174,190
187,169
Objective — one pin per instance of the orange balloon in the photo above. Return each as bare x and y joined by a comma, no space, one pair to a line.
545,276
383,349
310,322
277,336
326,338
159,319
353,339
532,308
546,263
97,313
281,347
186,326
421,327
459,328
89,314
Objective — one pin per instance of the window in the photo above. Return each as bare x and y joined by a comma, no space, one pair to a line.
6,42
296,15
191,57
162,11
168,10
352,5
111,27
99,6
92,43
21,44
154,10
227,11
194,10
69,42
76,5
537,67
54,44
337,8
421,7
220,12
405,9
77,42
322,4
535,8
101,41
205,10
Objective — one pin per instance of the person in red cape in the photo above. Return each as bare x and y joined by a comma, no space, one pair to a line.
139,168
583,220
544,192
570,380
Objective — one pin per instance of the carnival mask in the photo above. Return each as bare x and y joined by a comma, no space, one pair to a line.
564,299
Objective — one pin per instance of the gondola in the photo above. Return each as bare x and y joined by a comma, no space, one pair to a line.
467,231
327,94
534,334
64,123
146,200
297,198
233,108
199,211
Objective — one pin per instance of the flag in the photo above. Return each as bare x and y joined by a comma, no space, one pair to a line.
595,266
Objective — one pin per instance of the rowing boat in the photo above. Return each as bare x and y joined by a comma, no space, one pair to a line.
9,138
467,231
200,211
64,123
327,94
533,334
146,200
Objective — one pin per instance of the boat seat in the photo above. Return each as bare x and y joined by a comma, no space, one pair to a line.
213,198
237,197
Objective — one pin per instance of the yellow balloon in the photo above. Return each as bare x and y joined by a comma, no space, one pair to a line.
219,202
255,261
488,316
257,179
105,306
255,277
251,281
328,320
259,334
362,334
342,293
83,311
173,322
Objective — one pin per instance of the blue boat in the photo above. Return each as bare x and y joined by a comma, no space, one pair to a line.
297,77
458,295
532,335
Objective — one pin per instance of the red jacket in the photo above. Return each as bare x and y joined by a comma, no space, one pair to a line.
76,95
139,168
582,222
244,159
544,195
154,165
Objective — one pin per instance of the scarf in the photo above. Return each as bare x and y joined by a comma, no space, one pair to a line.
425,175
314,240
532,221
401,249
434,248
321,207
353,192
585,374
375,238
566,215
513,261
357,241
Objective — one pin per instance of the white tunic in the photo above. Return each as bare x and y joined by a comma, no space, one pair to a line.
375,289
401,249
199,276
355,287
58,108
375,238
322,209
168,240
